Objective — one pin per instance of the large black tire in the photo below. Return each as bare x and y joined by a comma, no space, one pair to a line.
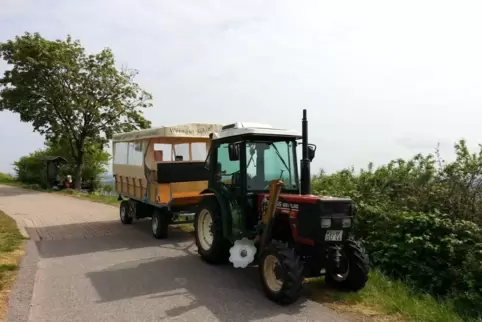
160,220
217,250
359,267
125,213
290,271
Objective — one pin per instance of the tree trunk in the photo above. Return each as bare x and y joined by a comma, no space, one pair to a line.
79,166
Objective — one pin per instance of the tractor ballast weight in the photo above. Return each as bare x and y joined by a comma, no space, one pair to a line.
256,211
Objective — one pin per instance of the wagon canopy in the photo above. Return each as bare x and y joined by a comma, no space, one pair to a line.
190,130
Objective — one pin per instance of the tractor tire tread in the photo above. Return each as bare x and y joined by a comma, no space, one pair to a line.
293,285
359,268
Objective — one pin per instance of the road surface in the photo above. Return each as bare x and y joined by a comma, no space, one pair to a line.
82,264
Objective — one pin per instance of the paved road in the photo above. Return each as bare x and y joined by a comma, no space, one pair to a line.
81,264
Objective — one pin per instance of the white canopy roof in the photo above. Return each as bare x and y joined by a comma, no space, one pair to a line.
244,128
190,130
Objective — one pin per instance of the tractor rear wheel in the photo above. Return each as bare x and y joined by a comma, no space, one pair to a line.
208,228
353,272
281,273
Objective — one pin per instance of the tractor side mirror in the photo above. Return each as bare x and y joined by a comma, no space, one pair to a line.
233,150
311,151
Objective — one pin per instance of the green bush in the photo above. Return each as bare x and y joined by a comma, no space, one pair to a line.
421,221
433,251
31,169
421,184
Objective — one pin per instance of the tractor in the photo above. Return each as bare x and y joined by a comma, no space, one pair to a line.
256,211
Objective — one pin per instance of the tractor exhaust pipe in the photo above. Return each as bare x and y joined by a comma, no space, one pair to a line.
305,184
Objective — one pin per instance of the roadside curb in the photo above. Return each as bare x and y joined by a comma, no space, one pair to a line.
22,290
21,227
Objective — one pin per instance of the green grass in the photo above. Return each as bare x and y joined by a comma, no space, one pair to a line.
9,180
6,178
11,242
386,300
109,200
10,237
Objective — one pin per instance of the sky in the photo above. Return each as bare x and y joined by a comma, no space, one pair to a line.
380,79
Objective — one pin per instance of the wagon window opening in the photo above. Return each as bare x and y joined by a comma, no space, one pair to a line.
162,152
135,153
121,153
181,152
199,152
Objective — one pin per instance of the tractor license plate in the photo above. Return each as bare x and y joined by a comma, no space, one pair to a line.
334,235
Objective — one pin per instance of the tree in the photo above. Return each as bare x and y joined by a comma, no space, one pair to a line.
95,160
69,95
32,168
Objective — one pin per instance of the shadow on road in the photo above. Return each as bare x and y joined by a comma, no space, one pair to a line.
230,294
69,240
176,276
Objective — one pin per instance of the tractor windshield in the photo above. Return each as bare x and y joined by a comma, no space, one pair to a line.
268,161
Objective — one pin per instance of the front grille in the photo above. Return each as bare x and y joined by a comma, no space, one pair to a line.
336,208
310,216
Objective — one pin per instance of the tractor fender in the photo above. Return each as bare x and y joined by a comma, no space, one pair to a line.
225,211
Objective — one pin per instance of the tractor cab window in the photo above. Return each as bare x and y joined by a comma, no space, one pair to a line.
266,161
226,169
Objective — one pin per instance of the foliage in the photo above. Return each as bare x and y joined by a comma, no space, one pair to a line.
420,220
95,162
421,184
437,254
31,169
69,95
108,188
385,299
6,178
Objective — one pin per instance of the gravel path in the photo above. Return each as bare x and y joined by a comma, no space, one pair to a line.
82,264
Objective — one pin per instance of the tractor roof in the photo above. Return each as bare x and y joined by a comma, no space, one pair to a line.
253,129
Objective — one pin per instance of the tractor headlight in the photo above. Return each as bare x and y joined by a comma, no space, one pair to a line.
325,222
346,222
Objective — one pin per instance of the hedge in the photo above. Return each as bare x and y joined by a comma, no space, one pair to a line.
432,251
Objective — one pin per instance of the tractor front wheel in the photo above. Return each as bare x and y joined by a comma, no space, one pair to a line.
352,274
210,241
281,273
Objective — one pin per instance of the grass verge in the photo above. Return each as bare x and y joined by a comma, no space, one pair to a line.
384,299
109,200
11,250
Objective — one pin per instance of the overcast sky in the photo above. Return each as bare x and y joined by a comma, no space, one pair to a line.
380,79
